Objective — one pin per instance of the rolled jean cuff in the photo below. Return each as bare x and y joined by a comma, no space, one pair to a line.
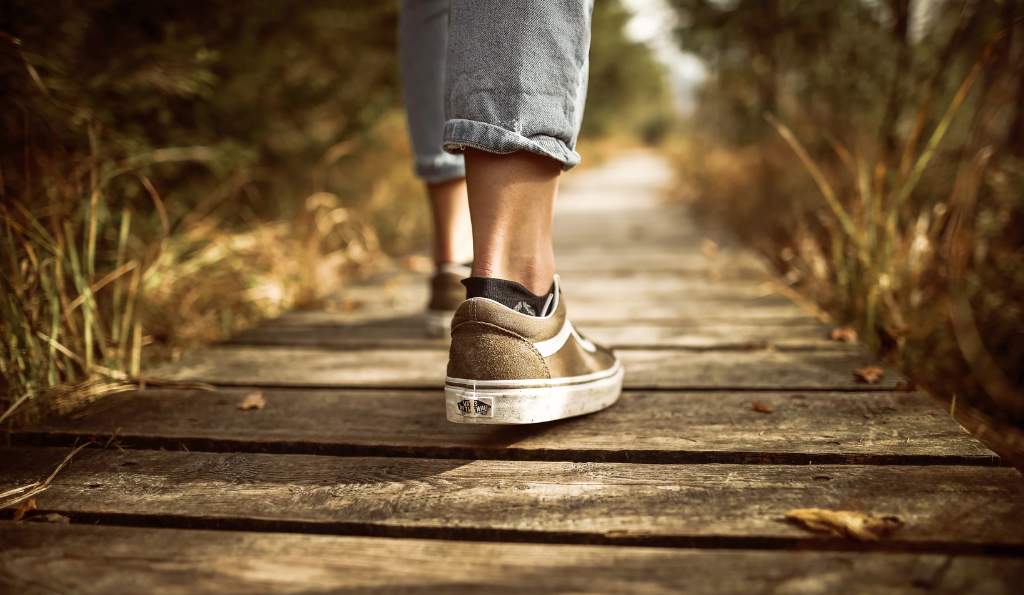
459,134
440,168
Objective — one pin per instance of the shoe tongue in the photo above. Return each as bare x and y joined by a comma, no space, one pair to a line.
509,294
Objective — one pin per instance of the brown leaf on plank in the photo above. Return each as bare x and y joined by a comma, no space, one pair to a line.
869,374
350,305
761,407
253,400
709,248
843,334
859,526
24,508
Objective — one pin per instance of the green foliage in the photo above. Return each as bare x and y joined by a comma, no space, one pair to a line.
627,94
908,223
235,86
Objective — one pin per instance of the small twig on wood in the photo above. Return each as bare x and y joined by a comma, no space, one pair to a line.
29,490
20,489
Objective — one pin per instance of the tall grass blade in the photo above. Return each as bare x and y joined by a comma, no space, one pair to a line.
904,190
819,178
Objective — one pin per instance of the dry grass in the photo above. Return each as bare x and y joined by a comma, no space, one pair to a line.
923,258
91,298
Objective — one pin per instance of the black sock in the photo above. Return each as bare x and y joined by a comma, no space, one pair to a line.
508,293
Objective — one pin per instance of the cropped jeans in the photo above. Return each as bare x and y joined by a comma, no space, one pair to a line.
496,75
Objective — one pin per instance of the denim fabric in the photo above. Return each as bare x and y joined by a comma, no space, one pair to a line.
515,77
422,48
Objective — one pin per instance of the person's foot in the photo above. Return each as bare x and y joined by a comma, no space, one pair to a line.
522,362
446,294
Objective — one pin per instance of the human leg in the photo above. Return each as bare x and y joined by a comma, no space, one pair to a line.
515,89
423,36
452,240
512,201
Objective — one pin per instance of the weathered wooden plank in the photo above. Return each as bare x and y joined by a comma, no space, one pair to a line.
404,332
628,285
945,508
400,286
630,297
618,222
891,428
640,310
410,318
669,257
64,559
309,367
616,207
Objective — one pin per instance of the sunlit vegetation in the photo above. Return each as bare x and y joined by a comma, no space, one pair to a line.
875,154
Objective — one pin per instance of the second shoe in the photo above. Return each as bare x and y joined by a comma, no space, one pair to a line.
446,294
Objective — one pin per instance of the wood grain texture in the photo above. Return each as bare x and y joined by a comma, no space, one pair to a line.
945,508
681,487
664,369
88,559
878,428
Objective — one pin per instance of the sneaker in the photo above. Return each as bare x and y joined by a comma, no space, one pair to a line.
506,367
446,294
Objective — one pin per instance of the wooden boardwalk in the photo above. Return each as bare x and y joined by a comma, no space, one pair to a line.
349,479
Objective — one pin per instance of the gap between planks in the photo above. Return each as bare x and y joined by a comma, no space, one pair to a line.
508,453
809,543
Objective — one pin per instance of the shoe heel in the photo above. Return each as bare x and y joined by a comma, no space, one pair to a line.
476,405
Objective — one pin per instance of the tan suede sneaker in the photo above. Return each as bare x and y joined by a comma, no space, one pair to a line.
505,367
446,294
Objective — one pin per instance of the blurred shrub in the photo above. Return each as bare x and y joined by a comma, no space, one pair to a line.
627,94
886,179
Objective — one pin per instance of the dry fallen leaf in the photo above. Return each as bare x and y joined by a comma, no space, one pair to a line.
761,407
709,248
252,400
869,374
850,524
843,334
350,305
24,508
50,517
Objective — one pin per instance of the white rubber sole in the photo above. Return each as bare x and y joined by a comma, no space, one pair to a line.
438,323
510,402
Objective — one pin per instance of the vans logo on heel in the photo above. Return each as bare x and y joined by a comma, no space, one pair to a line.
476,407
